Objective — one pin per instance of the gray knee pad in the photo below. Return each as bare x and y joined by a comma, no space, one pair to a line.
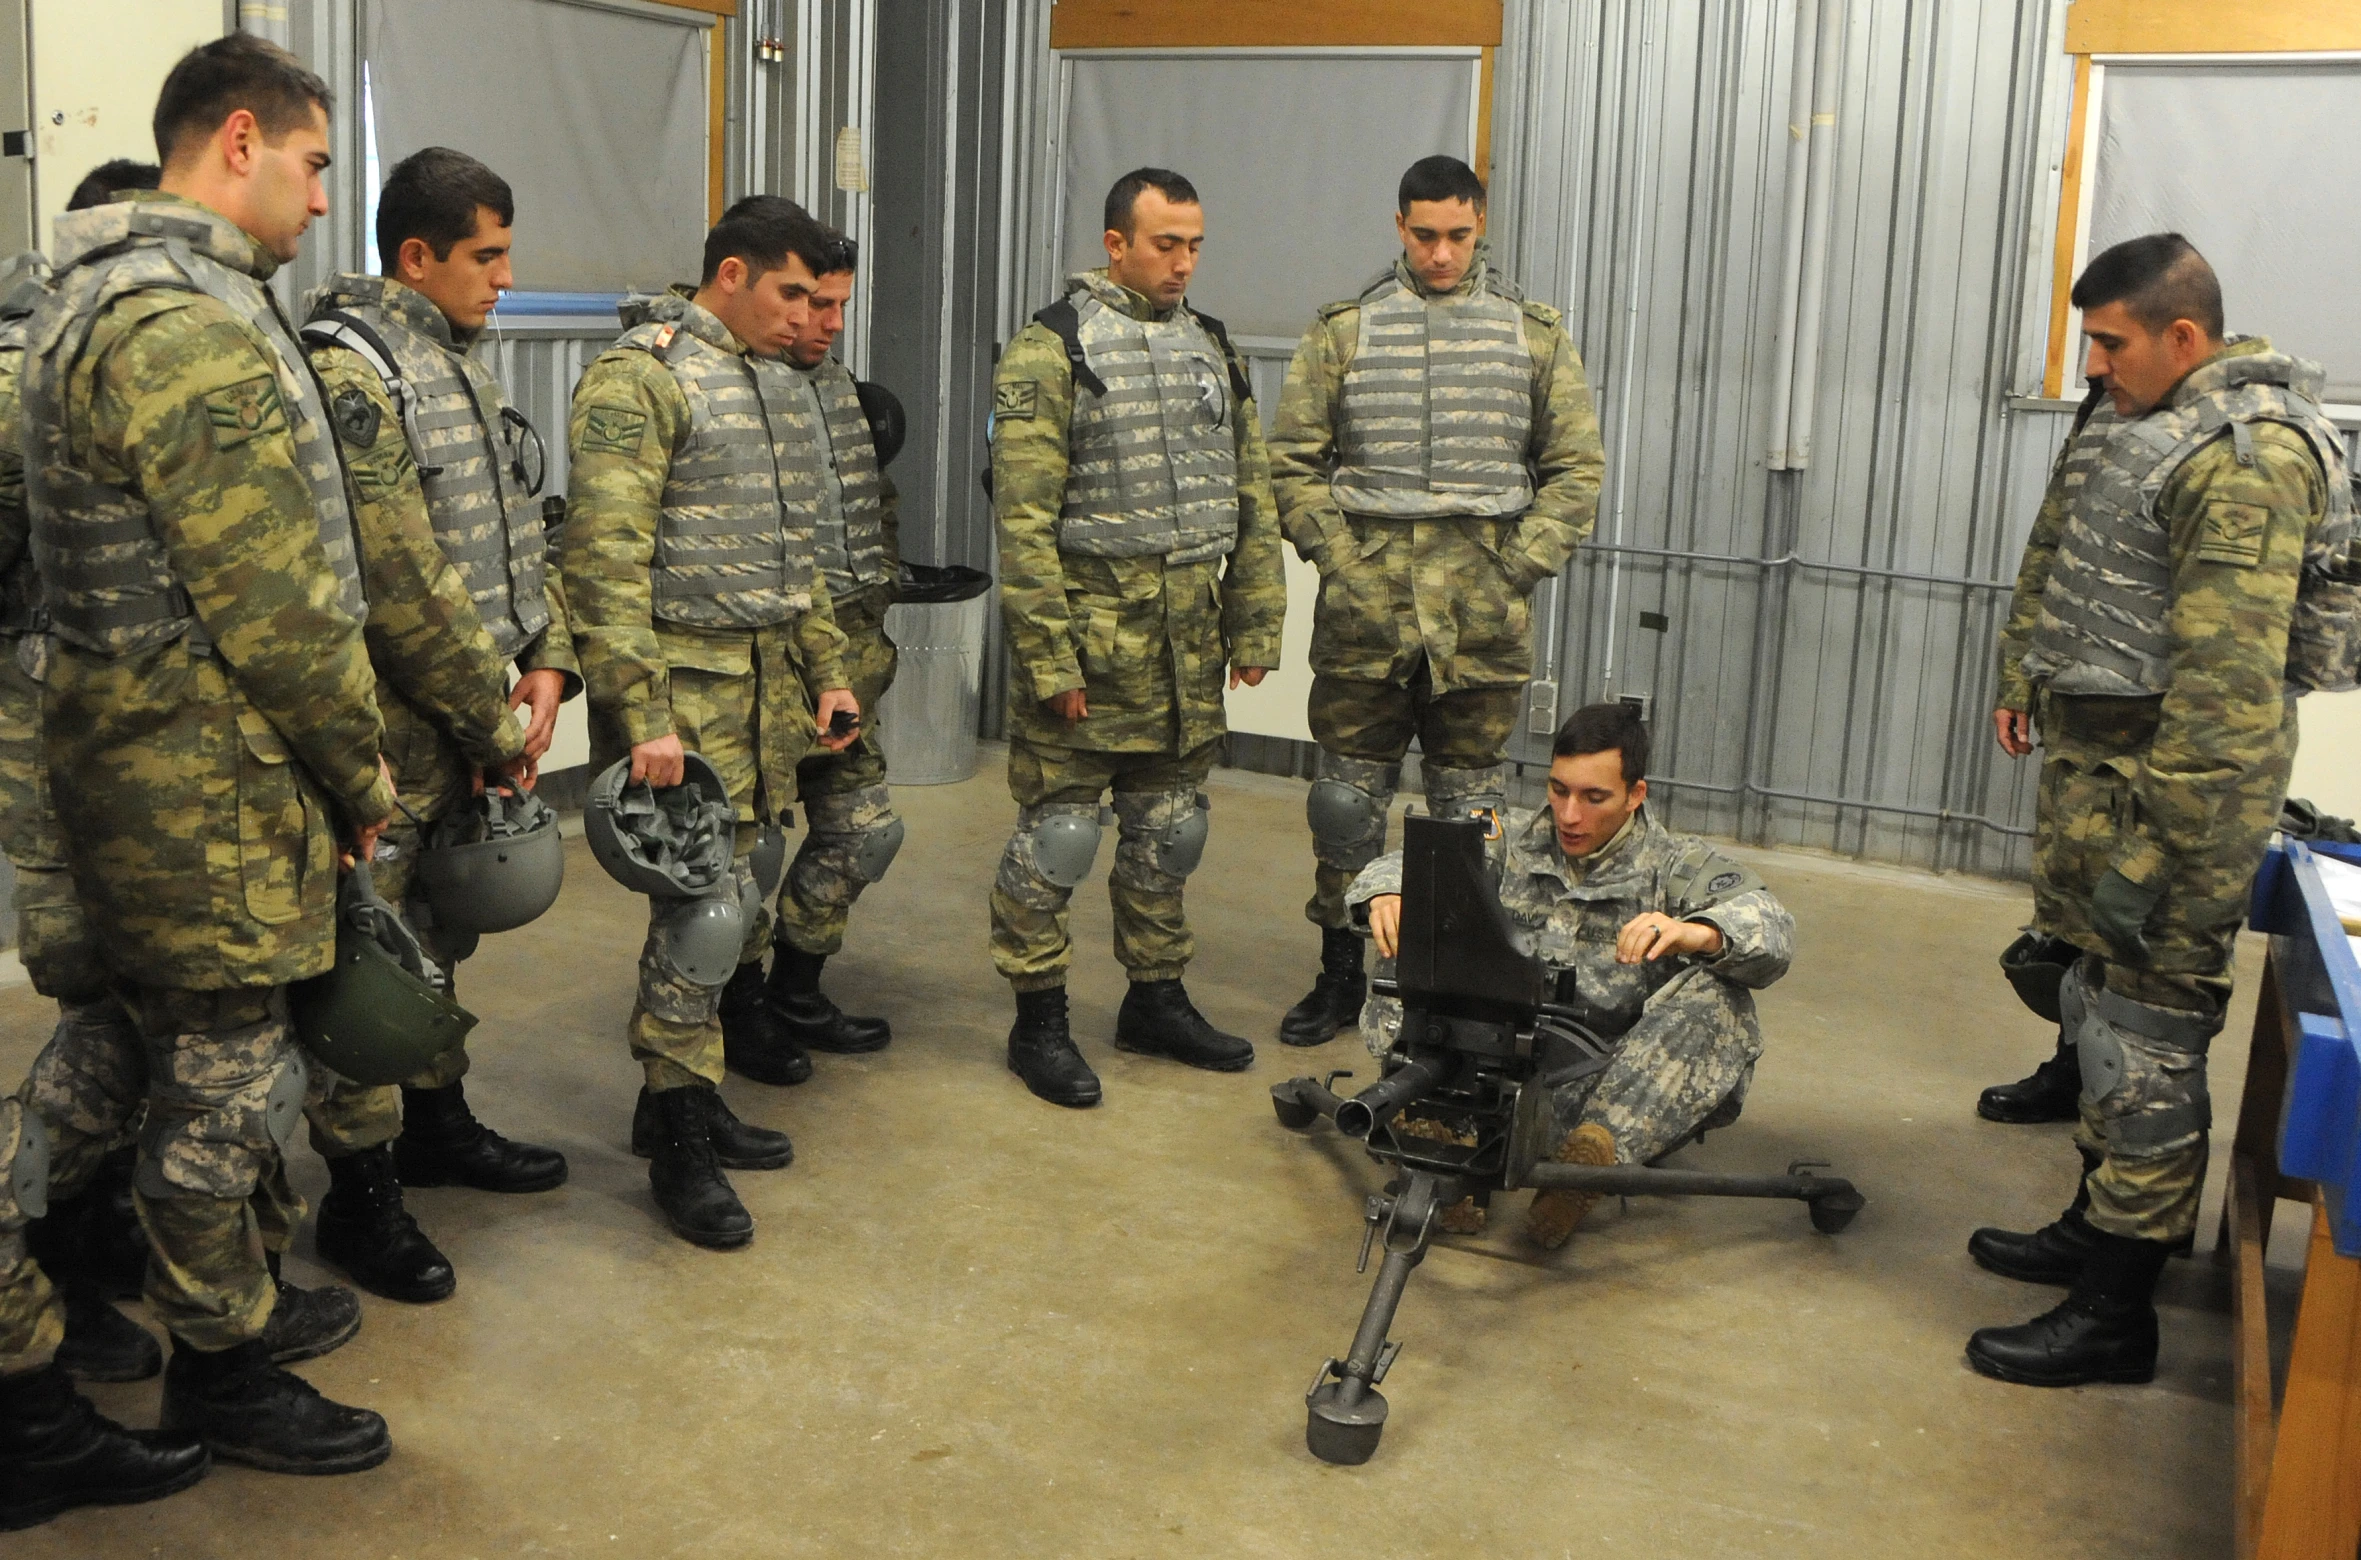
857,832
702,938
1167,828
1062,838
282,1109
28,1163
768,862
2143,1071
1468,793
1346,809
877,848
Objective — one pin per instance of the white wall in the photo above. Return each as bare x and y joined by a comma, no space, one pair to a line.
2328,764
97,66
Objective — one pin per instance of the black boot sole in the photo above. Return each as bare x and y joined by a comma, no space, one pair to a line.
272,1462
777,1077
731,1161
14,1518
429,1175
148,1363
2009,1114
1073,1102
383,1289
1302,1036
710,1240
2119,1375
1226,1065
835,1048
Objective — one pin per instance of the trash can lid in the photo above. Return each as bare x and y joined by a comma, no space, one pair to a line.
930,584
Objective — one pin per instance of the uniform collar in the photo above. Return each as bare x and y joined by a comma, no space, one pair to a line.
1608,867
679,306
1115,295
2242,360
404,304
1478,274
152,213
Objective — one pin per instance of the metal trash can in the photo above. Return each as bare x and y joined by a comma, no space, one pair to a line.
928,718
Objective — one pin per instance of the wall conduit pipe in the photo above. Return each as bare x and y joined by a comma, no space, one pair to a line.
1804,47
1819,217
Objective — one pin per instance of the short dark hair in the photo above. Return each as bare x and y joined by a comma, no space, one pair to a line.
1124,198
2157,278
761,231
434,195
1439,178
1597,728
214,80
109,180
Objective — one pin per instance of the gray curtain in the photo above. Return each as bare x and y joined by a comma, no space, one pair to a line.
1296,158
2248,162
596,117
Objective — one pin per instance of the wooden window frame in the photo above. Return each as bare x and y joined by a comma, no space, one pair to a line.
717,93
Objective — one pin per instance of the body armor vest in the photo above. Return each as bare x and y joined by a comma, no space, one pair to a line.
850,543
1436,410
1153,450
2104,625
108,581
463,438
733,548
22,284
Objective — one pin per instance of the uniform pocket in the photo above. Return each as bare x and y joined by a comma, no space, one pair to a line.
1098,630
278,855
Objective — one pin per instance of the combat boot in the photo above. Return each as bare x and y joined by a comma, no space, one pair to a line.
442,1144
756,1040
57,1452
2051,1092
250,1411
817,1023
2053,1254
2104,1330
101,1343
307,1323
1041,1051
1551,1217
1158,1019
685,1173
1336,996
365,1230
737,1145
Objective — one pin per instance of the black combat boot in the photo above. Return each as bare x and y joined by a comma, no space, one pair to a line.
57,1452
756,1040
2048,1093
817,1023
1158,1019
307,1323
685,1173
1041,1051
250,1411
365,1230
442,1144
2105,1330
738,1145
114,1246
1335,998
101,1343
2053,1254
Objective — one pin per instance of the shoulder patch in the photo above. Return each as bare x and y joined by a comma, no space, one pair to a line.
1016,398
2232,533
1724,883
241,411
664,336
613,430
356,417
1329,311
1543,314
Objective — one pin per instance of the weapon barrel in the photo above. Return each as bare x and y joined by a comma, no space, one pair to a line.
1377,1104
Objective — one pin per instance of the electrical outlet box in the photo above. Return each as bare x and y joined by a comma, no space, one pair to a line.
1541,708
1644,703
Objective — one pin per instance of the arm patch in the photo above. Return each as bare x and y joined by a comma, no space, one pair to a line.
356,417
242,411
2232,533
1017,398
613,430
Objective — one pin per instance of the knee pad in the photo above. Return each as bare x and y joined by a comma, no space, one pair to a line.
1062,838
1165,830
2143,1072
862,830
702,938
768,862
1346,809
282,1108
2036,965
26,1138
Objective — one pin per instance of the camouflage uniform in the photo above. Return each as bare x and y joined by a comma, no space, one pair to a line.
2178,786
209,715
32,1319
846,805
734,675
441,674
1685,1032
1147,635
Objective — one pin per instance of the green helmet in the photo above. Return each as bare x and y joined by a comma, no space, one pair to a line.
493,864
675,843
381,1013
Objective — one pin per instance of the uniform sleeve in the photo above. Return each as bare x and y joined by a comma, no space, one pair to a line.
1032,407
1254,582
1569,463
15,529
188,402
1376,880
424,636
819,644
552,650
628,419
1758,933
2015,690
1303,442
2238,534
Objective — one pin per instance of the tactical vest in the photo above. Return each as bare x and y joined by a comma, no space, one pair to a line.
1436,409
733,548
2104,624
1152,449
452,411
22,284
109,583
850,539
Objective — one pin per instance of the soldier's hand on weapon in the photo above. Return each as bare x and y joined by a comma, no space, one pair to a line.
840,719
1653,936
1248,676
540,691
363,845
2014,728
1069,706
659,762
1385,923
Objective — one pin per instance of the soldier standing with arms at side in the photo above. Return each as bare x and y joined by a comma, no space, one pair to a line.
2157,642
703,625
1435,457
1126,466
209,714
852,832
446,477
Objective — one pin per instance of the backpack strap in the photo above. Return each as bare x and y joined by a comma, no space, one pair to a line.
1065,322
1221,333
336,328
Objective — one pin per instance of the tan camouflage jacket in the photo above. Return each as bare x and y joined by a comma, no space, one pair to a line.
200,795
1149,643
2220,719
1457,591
614,497
1570,910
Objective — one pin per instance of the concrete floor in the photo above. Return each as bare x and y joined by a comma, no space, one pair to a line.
974,1325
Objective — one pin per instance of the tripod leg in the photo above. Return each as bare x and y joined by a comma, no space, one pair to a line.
1347,1413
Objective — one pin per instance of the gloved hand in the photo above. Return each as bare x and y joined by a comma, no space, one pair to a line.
2119,911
